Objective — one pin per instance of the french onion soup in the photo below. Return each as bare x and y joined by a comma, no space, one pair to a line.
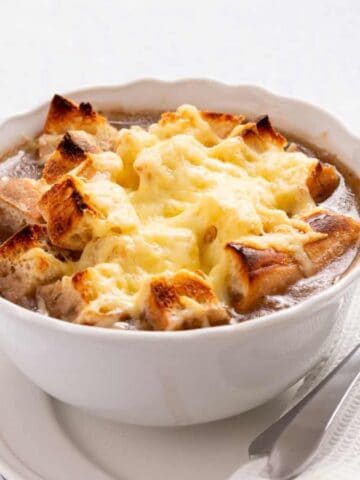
190,220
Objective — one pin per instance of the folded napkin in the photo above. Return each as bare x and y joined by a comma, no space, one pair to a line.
339,455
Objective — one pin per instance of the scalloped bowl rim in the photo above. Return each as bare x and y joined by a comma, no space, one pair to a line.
309,305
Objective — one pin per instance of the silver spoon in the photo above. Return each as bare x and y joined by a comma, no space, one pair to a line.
292,441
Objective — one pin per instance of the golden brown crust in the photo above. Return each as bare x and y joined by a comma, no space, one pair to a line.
165,308
342,233
261,134
255,273
64,207
69,299
82,284
268,133
30,236
65,115
322,181
222,123
66,157
251,137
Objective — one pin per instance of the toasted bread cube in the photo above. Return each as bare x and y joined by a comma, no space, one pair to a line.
48,143
71,157
68,297
61,299
207,127
19,198
66,157
322,181
342,233
27,261
260,136
222,123
269,134
254,273
65,115
181,301
68,214
94,296
77,211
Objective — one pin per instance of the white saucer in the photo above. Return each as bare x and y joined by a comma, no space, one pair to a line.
43,439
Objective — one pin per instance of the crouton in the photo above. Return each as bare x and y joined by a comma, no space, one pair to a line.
19,198
27,261
181,301
254,273
67,213
65,115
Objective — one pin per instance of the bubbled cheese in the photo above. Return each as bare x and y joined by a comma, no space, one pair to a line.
178,193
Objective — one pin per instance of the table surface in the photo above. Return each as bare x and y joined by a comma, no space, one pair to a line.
305,49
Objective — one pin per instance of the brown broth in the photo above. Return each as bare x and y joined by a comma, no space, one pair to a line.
23,162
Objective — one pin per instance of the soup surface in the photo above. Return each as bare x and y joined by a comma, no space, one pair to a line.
27,162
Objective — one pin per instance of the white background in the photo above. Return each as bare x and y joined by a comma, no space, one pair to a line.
307,49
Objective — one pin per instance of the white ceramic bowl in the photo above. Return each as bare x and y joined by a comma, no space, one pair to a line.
181,378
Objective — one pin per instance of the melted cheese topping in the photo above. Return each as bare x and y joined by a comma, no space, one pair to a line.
174,195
